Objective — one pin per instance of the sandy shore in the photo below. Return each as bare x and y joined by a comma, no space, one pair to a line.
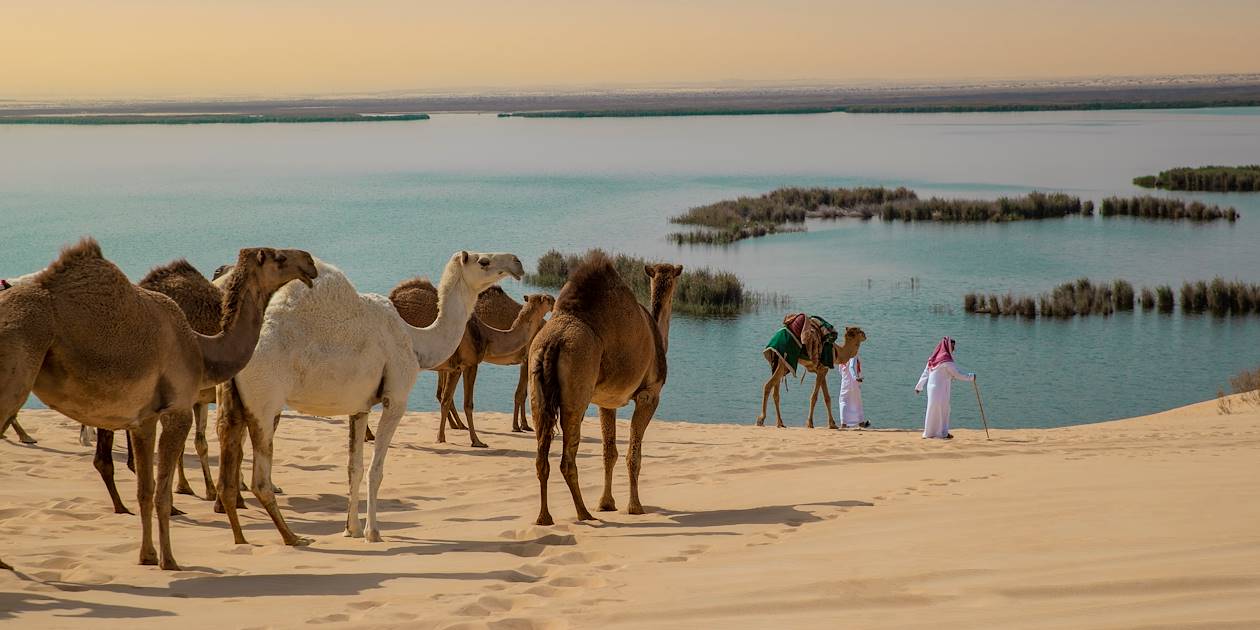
1149,522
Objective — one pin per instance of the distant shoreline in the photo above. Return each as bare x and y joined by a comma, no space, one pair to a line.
1166,93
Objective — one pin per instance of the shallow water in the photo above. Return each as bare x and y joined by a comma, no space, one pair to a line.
385,201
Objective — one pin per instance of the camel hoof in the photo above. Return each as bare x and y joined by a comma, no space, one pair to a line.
479,444
780,426
170,565
149,559
218,507
585,516
526,427
610,506
28,440
353,533
299,541
635,509
809,426
239,540
276,489
186,490
373,536
123,510
6,565
177,512
545,519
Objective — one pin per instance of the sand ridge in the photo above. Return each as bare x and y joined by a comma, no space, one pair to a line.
1148,522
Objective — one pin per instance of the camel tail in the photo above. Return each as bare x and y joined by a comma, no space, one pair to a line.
544,377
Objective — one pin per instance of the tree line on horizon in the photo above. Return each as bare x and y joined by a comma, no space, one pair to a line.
1083,297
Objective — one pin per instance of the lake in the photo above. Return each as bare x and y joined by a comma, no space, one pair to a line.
386,201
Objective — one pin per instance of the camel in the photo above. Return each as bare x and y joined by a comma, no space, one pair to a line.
114,356
483,340
853,338
600,346
329,350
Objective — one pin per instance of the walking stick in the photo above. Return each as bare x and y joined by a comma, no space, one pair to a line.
976,385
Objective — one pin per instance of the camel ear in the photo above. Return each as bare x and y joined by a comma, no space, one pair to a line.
261,256
463,257
651,273
678,270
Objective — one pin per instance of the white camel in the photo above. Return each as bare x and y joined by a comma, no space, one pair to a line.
330,351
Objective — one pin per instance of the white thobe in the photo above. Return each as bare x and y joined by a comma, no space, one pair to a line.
851,414
938,379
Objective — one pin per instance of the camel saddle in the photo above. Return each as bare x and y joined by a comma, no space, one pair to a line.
806,336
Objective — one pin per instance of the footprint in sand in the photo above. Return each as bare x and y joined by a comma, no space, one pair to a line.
333,618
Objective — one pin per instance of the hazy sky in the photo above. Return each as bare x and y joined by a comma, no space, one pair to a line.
159,48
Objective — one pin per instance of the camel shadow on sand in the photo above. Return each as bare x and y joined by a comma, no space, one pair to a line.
790,515
14,604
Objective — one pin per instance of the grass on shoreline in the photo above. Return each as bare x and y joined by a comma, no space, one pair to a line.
1148,207
204,119
700,292
1085,297
1205,178
785,209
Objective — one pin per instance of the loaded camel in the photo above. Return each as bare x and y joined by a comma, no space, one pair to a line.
779,369
600,346
416,301
111,355
329,350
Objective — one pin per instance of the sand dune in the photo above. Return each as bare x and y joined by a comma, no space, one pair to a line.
1149,522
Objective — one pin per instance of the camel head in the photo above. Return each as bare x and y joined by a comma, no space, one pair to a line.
480,271
853,334
538,304
274,268
222,271
664,278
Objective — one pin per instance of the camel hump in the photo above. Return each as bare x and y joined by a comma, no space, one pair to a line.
496,308
198,299
176,269
82,266
415,299
595,291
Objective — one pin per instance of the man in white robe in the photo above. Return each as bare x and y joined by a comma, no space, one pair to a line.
851,413
937,376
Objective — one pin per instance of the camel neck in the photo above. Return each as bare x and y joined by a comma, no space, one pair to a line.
514,338
226,353
662,310
436,342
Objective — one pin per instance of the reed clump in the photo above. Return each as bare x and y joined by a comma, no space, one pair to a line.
1149,207
1033,206
1220,297
701,292
1209,178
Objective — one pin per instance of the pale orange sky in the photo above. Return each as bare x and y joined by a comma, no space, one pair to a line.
174,48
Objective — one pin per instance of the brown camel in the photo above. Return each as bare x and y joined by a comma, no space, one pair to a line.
779,369
482,342
499,332
111,355
601,346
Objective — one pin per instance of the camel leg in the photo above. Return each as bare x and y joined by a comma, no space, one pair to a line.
440,394
608,426
23,437
571,432
230,426
390,417
260,434
813,400
543,432
143,437
201,412
87,435
181,482
778,414
131,458
518,400
104,463
771,383
367,433
826,392
354,471
170,449
470,384
452,381
644,407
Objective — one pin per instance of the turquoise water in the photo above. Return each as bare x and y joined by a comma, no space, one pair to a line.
388,201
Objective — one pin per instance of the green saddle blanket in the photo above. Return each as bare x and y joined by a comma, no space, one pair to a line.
787,345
